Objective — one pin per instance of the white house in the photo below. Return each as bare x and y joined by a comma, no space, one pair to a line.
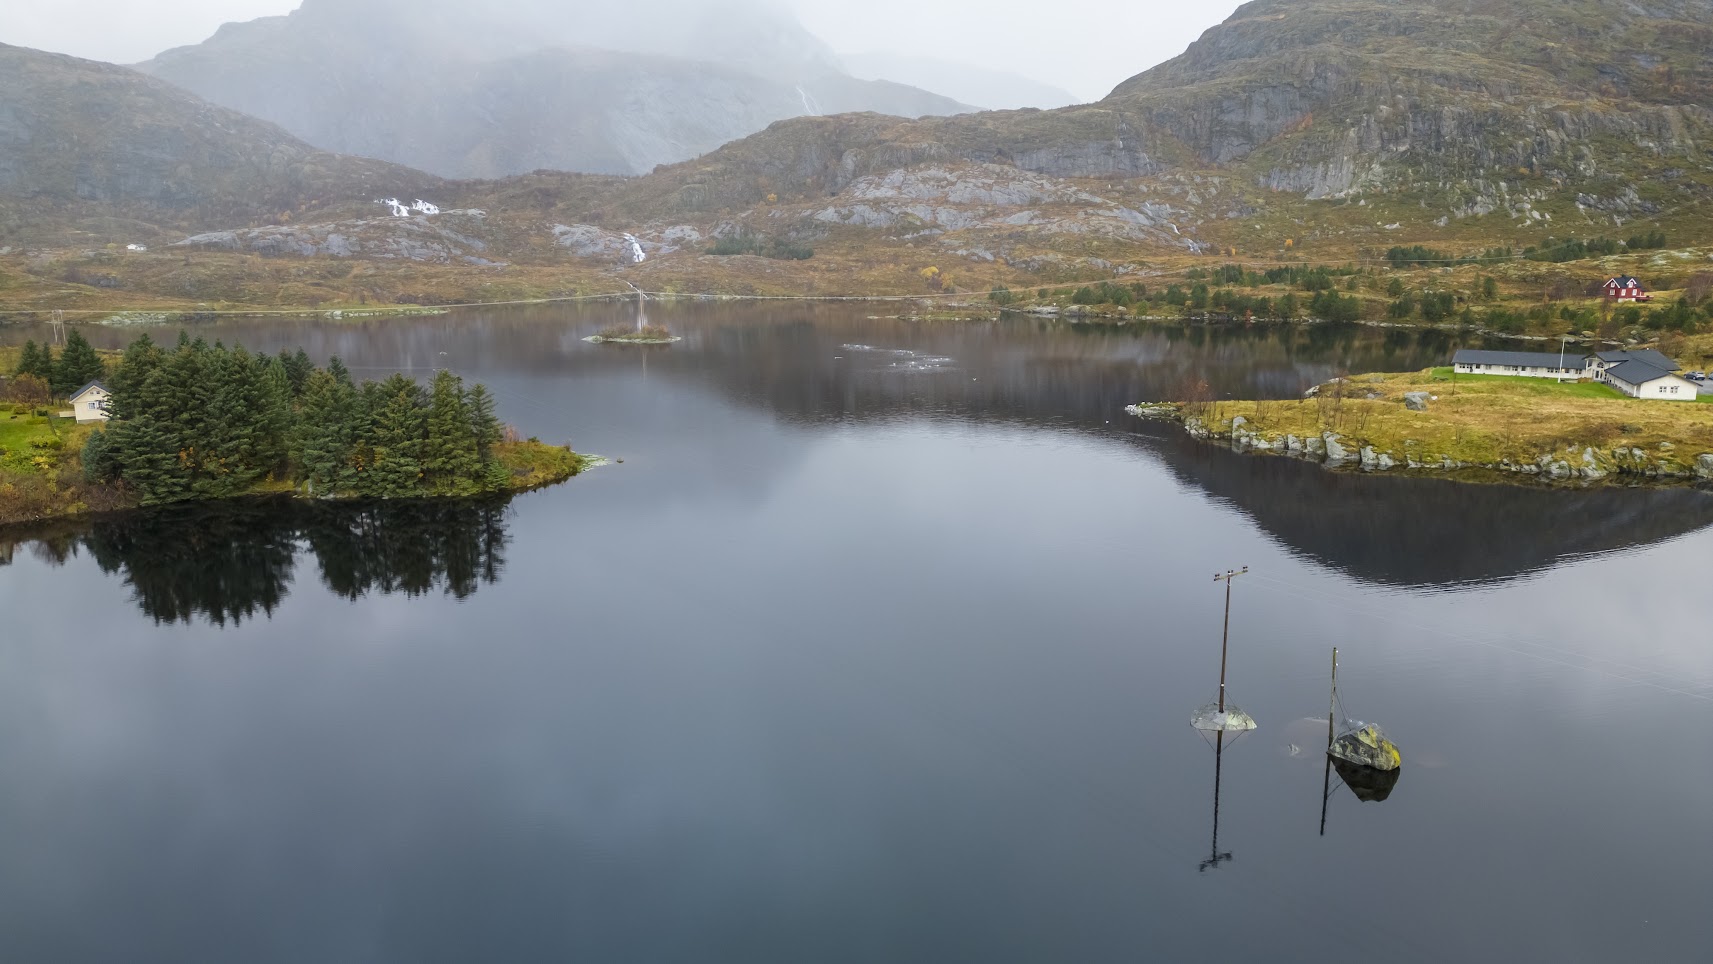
1638,379
89,403
1639,374
1601,361
1527,364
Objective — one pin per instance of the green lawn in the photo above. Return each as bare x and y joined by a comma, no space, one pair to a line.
1534,386
19,429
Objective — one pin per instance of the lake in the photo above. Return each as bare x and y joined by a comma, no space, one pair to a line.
880,644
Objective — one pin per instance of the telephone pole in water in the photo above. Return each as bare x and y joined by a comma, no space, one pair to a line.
1225,634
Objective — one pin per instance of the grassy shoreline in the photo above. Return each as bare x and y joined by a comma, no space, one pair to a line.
41,472
1476,428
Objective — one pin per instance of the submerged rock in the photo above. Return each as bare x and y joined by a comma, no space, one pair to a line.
1366,746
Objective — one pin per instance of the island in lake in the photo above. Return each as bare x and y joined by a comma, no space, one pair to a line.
642,334
199,421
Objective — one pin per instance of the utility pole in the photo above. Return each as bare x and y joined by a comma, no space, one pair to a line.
1225,635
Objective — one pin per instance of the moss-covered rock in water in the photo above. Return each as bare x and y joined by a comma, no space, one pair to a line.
1366,746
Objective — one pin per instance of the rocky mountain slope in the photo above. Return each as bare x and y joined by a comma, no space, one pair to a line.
493,90
85,140
1430,115
1298,129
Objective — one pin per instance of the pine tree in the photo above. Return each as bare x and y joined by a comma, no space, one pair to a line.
483,422
147,459
31,362
78,365
337,369
323,442
449,456
142,357
274,414
40,363
297,368
395,436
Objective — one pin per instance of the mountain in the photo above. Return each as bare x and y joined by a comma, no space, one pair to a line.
86,139
1333,122
488,91
985,87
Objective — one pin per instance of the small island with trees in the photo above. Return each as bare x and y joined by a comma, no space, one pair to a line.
197,421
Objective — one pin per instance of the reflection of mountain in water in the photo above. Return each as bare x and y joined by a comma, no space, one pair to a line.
231,561
813,365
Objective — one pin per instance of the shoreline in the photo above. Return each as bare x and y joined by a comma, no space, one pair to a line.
533,466
1500,430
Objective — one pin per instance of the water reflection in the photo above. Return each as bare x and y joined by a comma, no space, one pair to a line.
1215,856
232,561
814,366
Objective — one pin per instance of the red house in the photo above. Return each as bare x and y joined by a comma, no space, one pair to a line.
1625,288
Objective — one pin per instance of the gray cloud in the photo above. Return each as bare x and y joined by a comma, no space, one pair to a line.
1083,46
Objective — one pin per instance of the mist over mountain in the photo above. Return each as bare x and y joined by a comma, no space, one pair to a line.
80,138
467,90
985,87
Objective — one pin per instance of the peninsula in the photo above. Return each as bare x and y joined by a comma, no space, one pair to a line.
1471,427
198,422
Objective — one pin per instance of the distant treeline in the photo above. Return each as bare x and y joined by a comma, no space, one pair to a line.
1324,303
202,421
777,248
1553,251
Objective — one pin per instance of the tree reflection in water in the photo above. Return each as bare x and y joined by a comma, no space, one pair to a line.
227,562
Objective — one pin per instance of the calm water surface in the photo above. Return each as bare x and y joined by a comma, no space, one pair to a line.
880,645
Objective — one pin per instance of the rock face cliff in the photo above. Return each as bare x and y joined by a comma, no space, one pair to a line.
1435,109
477,91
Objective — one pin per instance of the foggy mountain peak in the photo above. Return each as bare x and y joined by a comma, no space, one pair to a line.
756,34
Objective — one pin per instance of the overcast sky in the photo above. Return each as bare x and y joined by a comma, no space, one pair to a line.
1086,47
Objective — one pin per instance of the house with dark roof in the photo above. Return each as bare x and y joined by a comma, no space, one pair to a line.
1625,288
1527,364
1600,361
89,403
1641,374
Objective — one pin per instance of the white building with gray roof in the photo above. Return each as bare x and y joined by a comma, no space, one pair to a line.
1639,374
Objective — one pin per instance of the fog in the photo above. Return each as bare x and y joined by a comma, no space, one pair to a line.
1084,46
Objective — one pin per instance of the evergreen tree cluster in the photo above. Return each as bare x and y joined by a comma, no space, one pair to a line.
201,421
76,366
